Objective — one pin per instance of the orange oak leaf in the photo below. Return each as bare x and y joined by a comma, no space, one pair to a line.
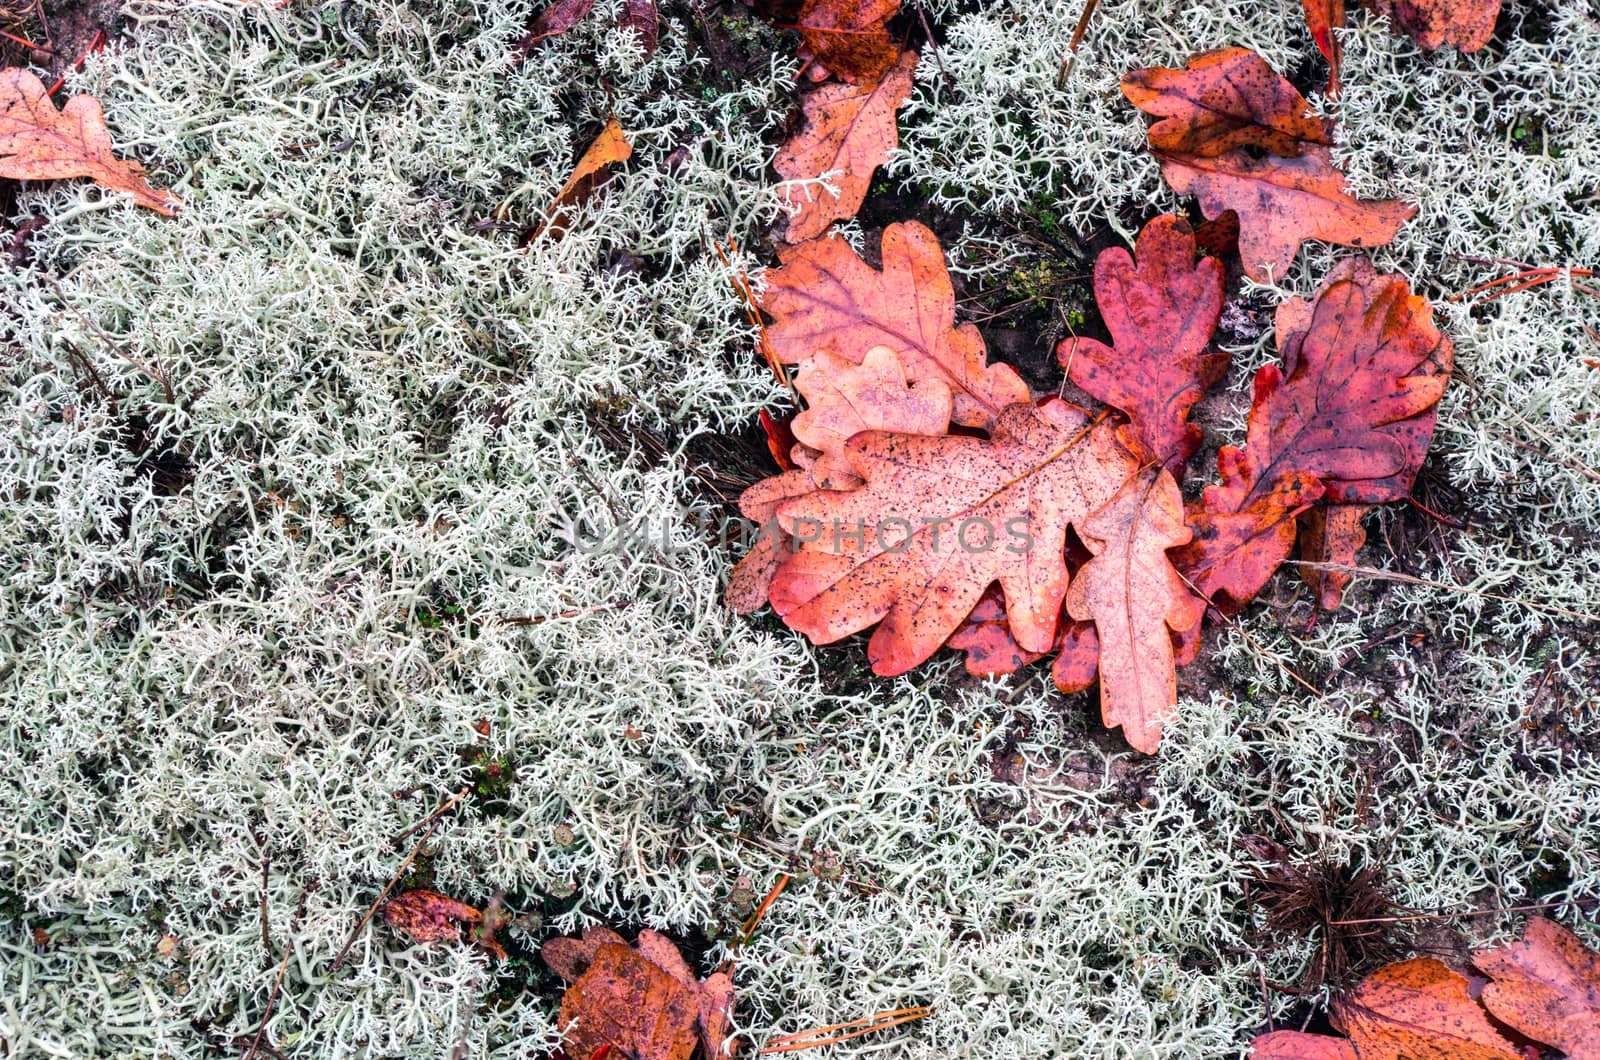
849,37
940,519
752,577
1412,1010
1419,1010
1547,987
845,399
1465,25
1346,420
1281,199
608,148
1297,1045
825,299
849,132
987,641
38,142
428,916
643,1000
1134,597
1224,100
1161,310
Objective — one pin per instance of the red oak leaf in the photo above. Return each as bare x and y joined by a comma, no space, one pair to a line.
1347,419
1161,310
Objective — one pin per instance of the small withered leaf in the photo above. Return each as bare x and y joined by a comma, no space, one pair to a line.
38,142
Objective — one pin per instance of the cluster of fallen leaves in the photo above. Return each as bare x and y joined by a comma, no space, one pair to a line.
1465,25
930,494
1542,989
39,142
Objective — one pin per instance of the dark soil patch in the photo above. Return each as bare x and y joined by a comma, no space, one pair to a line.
65,31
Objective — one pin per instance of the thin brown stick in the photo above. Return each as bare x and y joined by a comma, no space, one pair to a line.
266,931
1408,579
432,821
121,350
443,809
1571,465
272,999
752,313
1530,277
1080,31
1255,644
928,31
749,930
1471,912
878,1021
26,43
536,620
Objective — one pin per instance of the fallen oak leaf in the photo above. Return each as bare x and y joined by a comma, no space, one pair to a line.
1281,199
845,399
1322,18
1298,1045
849,132
1466,25
862,560
1363,353
641,17
625,1000
1411,1010
609,147
1161,308
1347,419
642,1000
428,916
1221,101
850,38
1136,600
553,21
780,438
1419,1010
825,299
38,142
1546,986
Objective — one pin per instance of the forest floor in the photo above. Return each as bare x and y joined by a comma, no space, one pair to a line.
289,557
